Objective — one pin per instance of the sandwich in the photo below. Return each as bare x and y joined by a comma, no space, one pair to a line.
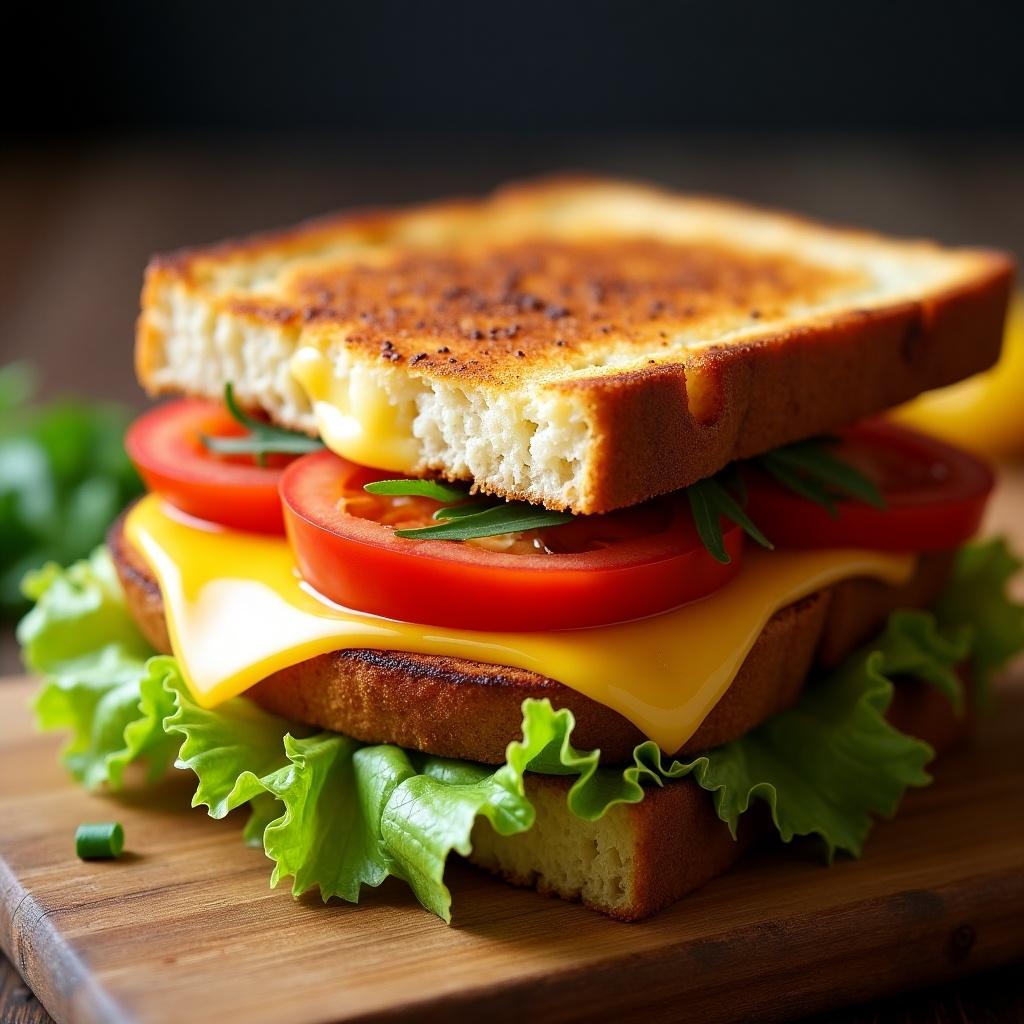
562,530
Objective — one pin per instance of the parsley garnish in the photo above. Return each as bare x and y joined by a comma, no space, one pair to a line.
262,439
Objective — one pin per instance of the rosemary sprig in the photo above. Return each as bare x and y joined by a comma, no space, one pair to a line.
471,518
805,467
262,439
512,517
467,508
810,470
436,489
710,503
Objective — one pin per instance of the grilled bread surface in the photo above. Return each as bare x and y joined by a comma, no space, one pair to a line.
582,344
457,708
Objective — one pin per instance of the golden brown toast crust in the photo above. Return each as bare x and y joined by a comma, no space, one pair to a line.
679,352
495,313
457,708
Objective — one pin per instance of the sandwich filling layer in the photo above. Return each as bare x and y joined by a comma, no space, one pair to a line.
237,612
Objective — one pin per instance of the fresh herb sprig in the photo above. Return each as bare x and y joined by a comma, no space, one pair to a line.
710,503
809,469
806,467
261,439
435,489
471,518
510,517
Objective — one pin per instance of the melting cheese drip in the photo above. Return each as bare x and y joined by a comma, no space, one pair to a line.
237,611
354,417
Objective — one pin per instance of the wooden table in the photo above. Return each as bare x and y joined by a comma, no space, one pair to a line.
79,225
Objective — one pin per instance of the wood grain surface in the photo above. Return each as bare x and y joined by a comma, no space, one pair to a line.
187,911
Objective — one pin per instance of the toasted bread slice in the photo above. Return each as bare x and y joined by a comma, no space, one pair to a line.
639,858
581,344
472,711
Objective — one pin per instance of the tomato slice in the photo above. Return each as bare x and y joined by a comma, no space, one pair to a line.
165,445
593,571
935,496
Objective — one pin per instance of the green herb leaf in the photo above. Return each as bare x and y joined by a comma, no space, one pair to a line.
263,439
438,490
467,508
707,520
262,445
469,519
806,487
64,476
512,517
809,469
710,502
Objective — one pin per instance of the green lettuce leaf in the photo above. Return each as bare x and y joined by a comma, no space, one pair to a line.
93,658
348,815
825,767
977,600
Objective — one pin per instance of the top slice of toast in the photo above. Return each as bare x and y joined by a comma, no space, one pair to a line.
583,344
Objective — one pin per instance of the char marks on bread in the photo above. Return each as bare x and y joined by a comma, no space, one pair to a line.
582,344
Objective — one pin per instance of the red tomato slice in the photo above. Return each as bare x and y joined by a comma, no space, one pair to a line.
233,490
596,570
935,496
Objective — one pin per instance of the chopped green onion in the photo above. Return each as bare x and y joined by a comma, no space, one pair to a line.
99,841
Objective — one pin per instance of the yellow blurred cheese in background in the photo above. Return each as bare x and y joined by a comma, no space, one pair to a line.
984,413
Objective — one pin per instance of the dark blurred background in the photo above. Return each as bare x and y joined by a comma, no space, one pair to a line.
132,127
560,67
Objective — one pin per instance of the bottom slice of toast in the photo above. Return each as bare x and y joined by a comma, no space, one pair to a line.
639,858
635,860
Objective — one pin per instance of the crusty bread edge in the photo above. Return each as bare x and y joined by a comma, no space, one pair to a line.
664,427
657,429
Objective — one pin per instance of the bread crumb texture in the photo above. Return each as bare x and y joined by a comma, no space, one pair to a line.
525,337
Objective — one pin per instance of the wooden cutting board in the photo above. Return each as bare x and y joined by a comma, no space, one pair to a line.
185,926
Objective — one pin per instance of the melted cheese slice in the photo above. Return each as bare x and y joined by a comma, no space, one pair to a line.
238,611
354,416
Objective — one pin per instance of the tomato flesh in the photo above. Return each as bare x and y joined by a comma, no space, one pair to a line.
935,496
613,568
166,446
